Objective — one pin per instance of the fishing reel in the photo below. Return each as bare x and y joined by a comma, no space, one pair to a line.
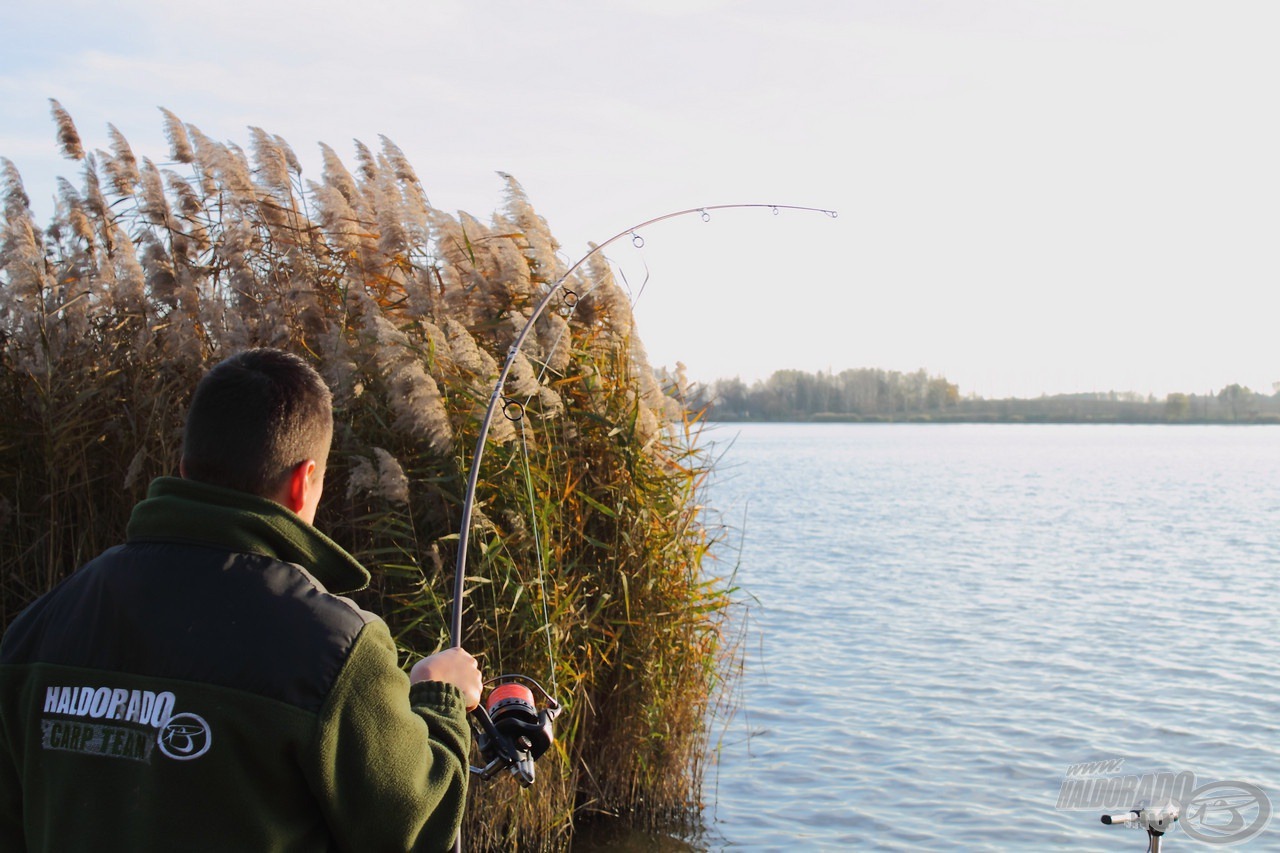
1156,820
510,731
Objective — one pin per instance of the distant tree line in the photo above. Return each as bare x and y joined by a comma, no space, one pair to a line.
796,395
869,394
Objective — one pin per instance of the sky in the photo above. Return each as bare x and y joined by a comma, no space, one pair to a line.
1034,196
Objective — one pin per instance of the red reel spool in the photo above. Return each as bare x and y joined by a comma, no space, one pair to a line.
510,696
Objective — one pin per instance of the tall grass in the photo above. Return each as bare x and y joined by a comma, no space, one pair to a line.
590,545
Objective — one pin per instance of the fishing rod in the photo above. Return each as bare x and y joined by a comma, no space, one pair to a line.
511,732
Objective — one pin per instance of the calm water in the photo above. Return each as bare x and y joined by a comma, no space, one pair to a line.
946,617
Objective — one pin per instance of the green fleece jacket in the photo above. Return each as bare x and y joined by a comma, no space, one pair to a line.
202,687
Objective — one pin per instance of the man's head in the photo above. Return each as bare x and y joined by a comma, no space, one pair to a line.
256,420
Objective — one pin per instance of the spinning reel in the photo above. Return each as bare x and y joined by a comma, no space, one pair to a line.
510,731
1156,820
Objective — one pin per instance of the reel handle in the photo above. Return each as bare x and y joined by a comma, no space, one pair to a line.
1120,819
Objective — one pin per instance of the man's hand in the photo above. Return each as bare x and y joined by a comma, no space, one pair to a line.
452,666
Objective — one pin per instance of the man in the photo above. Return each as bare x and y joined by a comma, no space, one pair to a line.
201,687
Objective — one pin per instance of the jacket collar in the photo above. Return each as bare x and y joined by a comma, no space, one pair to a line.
179,510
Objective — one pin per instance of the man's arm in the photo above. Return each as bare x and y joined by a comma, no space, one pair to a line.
390,763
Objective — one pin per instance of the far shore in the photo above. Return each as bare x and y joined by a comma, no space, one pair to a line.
1267,419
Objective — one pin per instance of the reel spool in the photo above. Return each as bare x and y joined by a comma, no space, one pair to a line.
510,732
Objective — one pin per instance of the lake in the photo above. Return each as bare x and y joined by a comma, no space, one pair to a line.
944,618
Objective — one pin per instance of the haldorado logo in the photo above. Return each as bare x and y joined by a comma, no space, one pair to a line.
119,723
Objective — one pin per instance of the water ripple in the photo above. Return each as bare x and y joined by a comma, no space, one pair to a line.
950,616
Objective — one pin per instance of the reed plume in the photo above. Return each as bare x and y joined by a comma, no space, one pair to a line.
179,143
68,136
121,165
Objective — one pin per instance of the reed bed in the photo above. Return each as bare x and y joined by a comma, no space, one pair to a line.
590,547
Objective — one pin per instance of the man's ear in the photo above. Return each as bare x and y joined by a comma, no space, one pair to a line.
301,482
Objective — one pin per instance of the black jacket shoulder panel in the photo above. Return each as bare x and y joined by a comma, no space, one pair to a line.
195,613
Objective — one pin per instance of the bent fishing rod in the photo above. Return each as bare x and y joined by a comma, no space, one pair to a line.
511,732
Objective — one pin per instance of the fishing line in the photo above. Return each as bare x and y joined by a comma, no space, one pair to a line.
537,550
570,297
464,533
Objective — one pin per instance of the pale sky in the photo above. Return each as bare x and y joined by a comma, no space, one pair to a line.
1036,196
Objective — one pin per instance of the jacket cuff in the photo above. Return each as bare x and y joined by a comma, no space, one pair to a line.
443,697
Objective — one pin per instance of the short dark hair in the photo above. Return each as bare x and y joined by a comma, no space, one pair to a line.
253,418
